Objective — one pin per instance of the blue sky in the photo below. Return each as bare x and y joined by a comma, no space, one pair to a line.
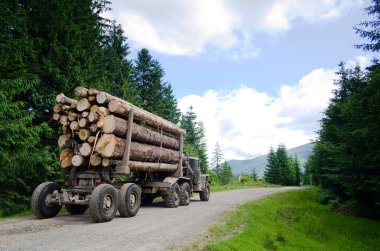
258,73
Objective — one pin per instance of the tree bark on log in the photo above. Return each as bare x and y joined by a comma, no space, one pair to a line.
65,157
146,166
122,107
113,147
140,133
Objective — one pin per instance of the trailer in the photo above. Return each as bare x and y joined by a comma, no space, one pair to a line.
130,173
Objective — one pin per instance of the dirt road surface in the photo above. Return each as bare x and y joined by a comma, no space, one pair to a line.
153,228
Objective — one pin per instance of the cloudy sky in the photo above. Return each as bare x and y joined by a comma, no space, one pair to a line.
257,72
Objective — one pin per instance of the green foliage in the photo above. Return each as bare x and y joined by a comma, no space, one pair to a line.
291,221
217,157
370,29
213,177
282,168
194,142
346,157
225,175
154,95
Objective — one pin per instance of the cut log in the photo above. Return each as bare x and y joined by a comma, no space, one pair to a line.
122,107
93,117
83,105
146,166
140,133
103,111
93,127
104,98
85,114
64,141
113,147
85,149
92,99
84,134
92,91
95,160
74,126
100,122
83,122
65,158
73,116
81,91
78,160
65,128
56,116
61,98
91,139
94,108
57,108
106,162
63,120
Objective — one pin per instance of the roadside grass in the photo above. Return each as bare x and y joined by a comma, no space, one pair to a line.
25,213
236,185
289,221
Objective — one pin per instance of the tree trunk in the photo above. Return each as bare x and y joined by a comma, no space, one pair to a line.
81,91
140,133
83,122
61,98
122,107
84,134
113,147
146,166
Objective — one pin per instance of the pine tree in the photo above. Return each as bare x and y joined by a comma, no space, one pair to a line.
194,142
272,172
156,95
283,165
297,169
217,157
370,29
225,175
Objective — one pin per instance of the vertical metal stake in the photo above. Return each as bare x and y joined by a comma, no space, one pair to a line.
125,161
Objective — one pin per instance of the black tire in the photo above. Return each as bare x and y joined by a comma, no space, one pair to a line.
39,203
147,199
185,194
205,194
103,203
172,199
76,209
129,200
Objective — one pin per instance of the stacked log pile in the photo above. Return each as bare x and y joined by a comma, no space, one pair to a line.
94,133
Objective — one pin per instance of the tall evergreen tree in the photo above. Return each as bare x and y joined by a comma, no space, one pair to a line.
217,157
272,172
370,29
225,175
284,166
194,142
156,95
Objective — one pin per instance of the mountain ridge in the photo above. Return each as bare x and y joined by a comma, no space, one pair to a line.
260,162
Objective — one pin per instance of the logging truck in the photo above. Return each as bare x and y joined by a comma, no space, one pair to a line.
117,156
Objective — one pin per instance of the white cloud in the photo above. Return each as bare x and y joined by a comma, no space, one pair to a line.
190,27
247,122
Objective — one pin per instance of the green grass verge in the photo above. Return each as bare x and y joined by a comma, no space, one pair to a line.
233,186
290,221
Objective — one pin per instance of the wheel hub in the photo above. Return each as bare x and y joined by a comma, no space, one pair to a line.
107,203
132,200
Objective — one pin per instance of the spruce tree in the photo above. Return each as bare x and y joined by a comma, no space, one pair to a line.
272,173
217,157
284,166
194,142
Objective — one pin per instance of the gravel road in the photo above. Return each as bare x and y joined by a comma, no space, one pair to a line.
153,228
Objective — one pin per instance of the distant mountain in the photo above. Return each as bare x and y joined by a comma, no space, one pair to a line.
259,163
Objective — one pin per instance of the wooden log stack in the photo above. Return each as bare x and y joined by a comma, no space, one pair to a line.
94,134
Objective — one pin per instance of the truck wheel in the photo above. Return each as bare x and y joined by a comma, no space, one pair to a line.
76,209
172,198
147,199
103,203
130,200
41,204
185,194
205,194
